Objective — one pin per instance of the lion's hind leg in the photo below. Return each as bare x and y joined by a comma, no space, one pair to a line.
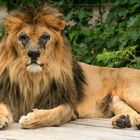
125,116
52,117
5,116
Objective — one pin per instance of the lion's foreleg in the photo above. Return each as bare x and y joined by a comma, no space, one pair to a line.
52,117
125,116
5,116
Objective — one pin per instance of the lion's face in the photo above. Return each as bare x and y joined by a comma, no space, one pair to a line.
35,38
35,44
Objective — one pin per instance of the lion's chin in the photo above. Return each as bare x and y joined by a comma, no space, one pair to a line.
34,68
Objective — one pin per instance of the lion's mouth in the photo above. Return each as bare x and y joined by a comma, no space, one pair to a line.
34,67
34,63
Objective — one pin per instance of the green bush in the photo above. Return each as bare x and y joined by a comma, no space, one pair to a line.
116,42
119,36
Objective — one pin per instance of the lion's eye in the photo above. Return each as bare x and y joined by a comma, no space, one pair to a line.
44,39
23,38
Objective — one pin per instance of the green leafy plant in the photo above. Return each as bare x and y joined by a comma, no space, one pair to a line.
115,42
120,36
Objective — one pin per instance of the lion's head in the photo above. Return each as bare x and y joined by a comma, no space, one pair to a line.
36,37
37,69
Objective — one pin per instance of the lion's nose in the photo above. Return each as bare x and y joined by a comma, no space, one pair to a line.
33,53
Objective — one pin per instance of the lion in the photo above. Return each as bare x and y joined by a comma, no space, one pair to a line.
42,84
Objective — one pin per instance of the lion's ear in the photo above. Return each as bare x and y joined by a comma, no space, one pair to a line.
55,20
12,23
60,23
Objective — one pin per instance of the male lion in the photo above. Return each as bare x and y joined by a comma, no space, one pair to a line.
41,83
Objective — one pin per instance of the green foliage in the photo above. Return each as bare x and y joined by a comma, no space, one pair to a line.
80,36
116,42
1,31
120,36
122,57
12,4
113,43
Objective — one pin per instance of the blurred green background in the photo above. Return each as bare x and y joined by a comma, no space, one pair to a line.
111,39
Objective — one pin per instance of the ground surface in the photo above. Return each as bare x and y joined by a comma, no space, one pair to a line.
82,129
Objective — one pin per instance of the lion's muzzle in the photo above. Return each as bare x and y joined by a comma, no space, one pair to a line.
33,53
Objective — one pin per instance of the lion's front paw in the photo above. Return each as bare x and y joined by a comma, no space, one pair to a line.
24,121
121,121
31,120
28,121
4,121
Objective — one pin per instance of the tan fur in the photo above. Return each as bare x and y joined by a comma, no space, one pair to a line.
57,87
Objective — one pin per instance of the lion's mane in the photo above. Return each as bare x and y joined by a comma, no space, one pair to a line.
23,91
